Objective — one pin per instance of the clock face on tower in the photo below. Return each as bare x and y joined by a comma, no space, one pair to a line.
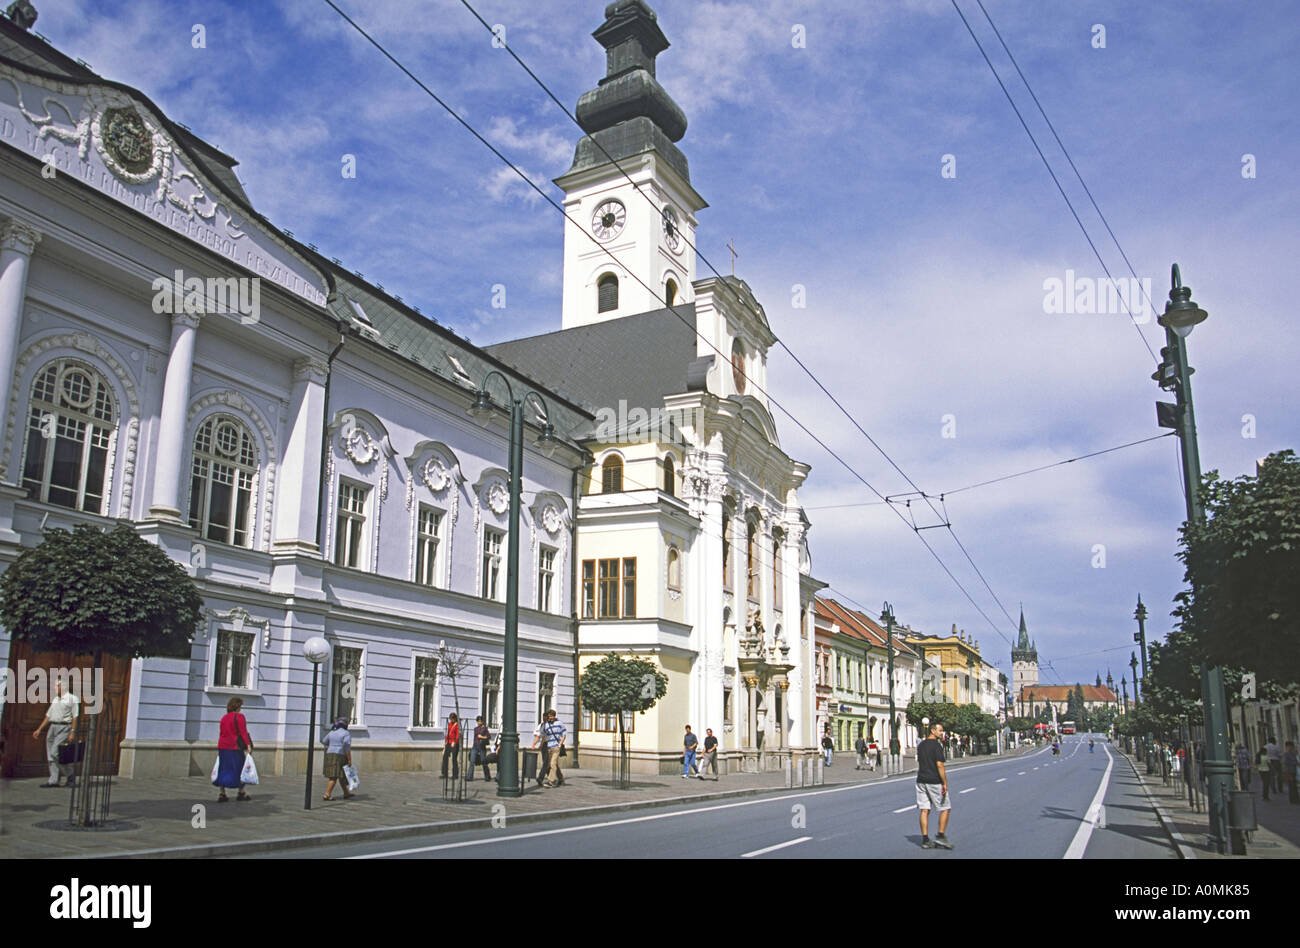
672,230
607,222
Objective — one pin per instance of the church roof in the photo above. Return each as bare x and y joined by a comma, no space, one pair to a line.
1025,651
638,359
1062,693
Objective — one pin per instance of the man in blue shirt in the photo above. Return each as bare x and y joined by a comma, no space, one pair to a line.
554,733
689,743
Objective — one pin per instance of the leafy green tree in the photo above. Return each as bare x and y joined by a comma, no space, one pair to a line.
939,712
1101,719
612,685
1074,709
1242,605
99,593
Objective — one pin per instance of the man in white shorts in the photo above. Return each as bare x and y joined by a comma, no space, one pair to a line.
932,788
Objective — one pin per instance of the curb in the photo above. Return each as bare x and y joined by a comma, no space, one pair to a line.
1181,846
251,847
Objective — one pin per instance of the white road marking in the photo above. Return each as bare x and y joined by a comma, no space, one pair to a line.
706,808
1094,813
1003,779
968,790
1020,774
792,842
906,808
1037,768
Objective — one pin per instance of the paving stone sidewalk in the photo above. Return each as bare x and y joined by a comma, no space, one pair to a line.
157,816
1278,836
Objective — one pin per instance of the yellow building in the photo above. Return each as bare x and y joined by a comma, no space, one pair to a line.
961,676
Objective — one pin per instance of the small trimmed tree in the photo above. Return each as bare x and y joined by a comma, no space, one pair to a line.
612,686
99,593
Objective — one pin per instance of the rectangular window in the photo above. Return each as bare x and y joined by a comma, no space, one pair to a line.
424,703
491,697
726,553
545,577
726,705
491,563
589,589
629,586
345,687
608,723
427,537
608,589
778,579
545,693
234,659
351,524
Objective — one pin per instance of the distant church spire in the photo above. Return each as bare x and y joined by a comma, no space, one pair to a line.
1024,650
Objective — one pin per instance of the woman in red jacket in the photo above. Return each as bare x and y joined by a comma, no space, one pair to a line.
231,747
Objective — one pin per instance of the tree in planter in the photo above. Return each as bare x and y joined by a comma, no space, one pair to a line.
453,663
612,686
100,593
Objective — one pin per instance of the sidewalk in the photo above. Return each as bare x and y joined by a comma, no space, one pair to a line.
1278,836
179,816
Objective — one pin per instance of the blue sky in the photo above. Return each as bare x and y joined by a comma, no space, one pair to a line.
925,294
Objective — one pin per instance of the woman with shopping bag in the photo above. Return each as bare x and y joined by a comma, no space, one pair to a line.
233,745
338,755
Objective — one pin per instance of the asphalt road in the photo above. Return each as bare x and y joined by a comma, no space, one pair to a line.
1031,807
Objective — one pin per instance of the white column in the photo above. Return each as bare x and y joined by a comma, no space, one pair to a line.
171,423
300,469
17,243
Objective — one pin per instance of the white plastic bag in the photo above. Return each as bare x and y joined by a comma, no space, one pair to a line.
249,774
350,775
216,769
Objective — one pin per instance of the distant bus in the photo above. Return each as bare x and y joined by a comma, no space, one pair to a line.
1067,727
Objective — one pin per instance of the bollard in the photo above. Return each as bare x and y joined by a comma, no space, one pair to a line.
821,772
789,774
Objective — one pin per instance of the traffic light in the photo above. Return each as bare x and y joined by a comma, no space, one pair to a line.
1166,374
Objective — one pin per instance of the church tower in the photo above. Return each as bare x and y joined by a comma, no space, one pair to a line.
1024,661
632,125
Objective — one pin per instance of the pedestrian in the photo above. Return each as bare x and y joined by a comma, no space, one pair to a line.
1289,763
689,743
828,746
1274,763
544,761
554,732
451,747
1261,764
59,721
1091,746
338,754
479,752
710,754
932,788
860,747
1242,758
233,744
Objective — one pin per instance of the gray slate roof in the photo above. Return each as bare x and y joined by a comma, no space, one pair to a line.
639,358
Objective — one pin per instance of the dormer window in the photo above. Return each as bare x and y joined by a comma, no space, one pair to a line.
607,294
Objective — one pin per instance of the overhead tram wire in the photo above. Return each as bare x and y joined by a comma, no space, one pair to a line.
635,187
1007,477
1065,151
1136,325
550,200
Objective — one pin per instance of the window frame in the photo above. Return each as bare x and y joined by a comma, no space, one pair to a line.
610,468
359,701
490,713
546,577
490,565
39,409
435,570
204,499
436,711
606,279
360,550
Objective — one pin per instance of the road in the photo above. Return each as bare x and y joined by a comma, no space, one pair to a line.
1032,807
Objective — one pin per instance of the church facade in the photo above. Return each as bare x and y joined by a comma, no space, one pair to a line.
692,544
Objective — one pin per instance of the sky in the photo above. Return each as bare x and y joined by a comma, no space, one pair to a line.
861,150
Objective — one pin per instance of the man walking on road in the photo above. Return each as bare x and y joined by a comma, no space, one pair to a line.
932,788
710,754
689,743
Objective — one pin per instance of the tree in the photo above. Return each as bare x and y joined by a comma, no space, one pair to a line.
938,712
94,592
1242,607
613,686
1074,710
1101,719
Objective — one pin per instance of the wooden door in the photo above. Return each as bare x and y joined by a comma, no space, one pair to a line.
24,757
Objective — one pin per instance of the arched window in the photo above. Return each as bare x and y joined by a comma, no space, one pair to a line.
728,513
607,291
670,292
751,558
611,475
674,568
221,480
670,475
778,574
70,427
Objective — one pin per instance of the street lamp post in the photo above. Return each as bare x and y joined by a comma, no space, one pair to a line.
1140,636
887,620
1133,664
315,650
1174,374
483,411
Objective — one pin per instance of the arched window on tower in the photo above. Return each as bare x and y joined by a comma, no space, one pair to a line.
70,426
611,475
607,293
670,292
670,475
751,559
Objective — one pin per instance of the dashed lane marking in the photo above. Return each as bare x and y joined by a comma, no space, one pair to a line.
768,849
